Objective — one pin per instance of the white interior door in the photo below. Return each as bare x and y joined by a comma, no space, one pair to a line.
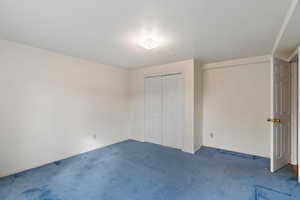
153,109
173,110
281,114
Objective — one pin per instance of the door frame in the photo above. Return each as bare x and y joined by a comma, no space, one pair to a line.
271,112
295,56
298,52
294,113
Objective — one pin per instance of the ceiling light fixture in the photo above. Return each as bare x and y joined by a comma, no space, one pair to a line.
149,43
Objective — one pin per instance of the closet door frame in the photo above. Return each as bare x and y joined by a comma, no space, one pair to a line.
162,75
296,56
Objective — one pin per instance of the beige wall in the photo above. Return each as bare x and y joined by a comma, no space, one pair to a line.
54,106
136,85
236,104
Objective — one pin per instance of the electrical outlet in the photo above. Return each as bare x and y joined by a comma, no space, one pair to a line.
211,135
95,136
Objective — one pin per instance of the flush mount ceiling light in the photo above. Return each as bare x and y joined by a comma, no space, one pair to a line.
149,43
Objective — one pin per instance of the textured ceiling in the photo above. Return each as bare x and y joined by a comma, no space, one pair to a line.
106,31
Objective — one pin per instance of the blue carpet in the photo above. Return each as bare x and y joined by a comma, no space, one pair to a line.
134,170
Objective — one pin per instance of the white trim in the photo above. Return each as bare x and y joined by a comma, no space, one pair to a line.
237,62
298,112
293,55
272,115
197,149
161,74
286,21
294,113
280,57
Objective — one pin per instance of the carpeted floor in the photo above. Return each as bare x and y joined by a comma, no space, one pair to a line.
134,170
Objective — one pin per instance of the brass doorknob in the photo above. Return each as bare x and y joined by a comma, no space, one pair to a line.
273,120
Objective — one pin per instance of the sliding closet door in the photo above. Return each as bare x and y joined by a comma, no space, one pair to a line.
153,109
173,110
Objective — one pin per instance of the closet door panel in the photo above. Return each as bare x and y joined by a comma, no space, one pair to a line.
153,110
173,110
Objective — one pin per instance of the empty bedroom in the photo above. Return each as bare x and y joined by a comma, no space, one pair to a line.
149,100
